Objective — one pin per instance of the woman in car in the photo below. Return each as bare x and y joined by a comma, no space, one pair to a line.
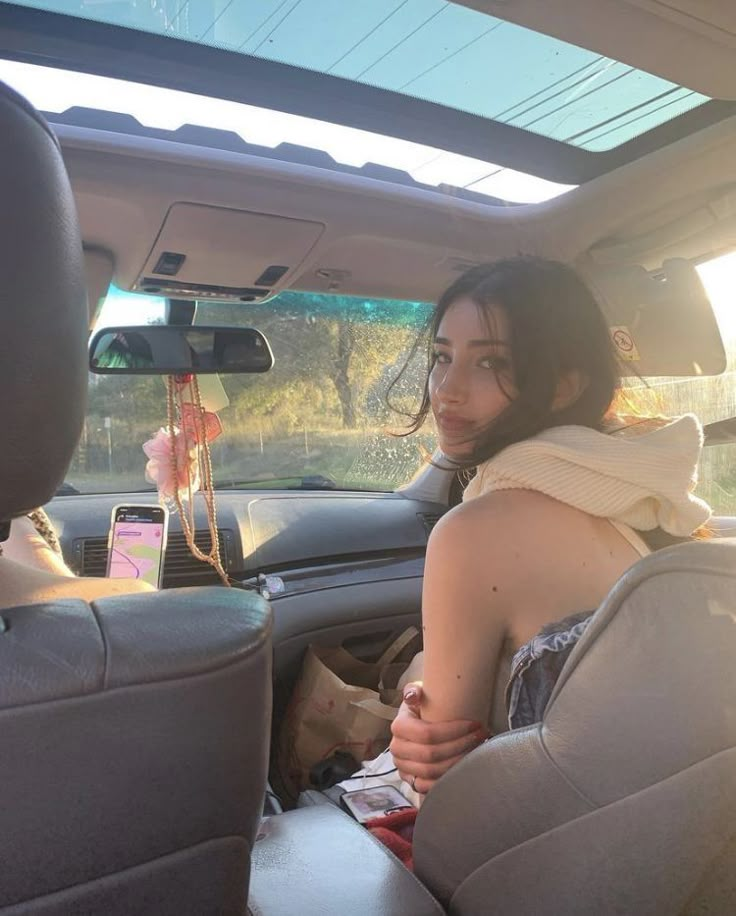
566,497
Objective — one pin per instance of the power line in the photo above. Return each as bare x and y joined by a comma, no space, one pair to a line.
278,24
623,114
577,98
483,178
450,56
262,23
562,79
184,5
216,20
405,38
632,120
367,36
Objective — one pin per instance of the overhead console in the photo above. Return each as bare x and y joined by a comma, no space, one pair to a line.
207,252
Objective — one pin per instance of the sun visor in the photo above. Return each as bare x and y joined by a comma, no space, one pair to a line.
216,253
662,323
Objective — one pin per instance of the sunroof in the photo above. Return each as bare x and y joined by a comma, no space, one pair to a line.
429,50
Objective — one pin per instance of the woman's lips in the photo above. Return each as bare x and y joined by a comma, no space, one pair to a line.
452,424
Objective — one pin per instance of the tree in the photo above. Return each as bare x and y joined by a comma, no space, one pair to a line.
345,341
351,341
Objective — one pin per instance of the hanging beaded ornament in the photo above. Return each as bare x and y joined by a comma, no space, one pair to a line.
180,463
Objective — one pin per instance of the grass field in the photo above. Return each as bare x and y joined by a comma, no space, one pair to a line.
355,459
360,459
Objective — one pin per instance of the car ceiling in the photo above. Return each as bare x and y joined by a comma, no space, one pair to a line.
381,239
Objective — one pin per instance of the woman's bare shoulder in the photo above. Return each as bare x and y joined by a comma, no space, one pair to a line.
509,507
509,535
490,536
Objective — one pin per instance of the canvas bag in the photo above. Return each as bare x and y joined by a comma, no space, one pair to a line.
339,704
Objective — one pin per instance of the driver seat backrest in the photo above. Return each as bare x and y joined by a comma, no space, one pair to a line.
623,799
133,729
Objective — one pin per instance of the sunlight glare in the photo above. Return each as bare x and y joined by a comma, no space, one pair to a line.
56,91
718,276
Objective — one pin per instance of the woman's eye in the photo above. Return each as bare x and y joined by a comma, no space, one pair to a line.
440,357
497,363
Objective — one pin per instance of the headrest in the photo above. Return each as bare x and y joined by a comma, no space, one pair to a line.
43,311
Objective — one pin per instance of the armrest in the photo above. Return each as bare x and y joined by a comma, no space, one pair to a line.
319,862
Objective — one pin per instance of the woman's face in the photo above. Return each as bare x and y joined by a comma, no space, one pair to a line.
472,376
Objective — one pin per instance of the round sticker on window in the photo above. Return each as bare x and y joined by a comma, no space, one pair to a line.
624,343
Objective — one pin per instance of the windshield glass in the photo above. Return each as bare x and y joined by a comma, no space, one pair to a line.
318,418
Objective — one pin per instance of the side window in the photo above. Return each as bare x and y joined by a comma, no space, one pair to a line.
711,398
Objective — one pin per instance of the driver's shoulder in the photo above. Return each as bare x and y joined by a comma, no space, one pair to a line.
92,588
24,585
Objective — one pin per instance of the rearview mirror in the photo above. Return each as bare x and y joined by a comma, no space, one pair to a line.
174,349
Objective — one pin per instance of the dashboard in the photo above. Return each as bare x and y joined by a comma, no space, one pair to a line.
338,567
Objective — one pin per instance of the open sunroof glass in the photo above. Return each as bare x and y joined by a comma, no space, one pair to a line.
437,68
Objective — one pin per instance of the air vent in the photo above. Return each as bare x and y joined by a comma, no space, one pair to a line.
180,567
429,520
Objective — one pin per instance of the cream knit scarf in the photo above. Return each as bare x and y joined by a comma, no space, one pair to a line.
642,474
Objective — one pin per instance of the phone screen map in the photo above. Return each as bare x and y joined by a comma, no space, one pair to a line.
136,551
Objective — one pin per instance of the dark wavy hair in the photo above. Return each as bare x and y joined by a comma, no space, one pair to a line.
555,327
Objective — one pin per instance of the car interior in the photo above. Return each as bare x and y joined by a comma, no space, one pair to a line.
280,166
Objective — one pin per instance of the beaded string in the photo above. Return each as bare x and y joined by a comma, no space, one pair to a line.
43,526
204,458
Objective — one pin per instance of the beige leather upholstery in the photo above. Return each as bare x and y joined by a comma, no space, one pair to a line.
133,729
133,741
320,862
623,800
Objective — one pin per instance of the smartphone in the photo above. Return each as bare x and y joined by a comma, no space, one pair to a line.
137,543
365,804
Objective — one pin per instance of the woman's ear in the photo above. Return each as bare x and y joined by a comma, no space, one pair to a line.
569,388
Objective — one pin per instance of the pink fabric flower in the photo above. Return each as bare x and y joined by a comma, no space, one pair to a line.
192,428
159,469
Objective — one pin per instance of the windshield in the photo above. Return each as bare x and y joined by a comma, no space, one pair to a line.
319,418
